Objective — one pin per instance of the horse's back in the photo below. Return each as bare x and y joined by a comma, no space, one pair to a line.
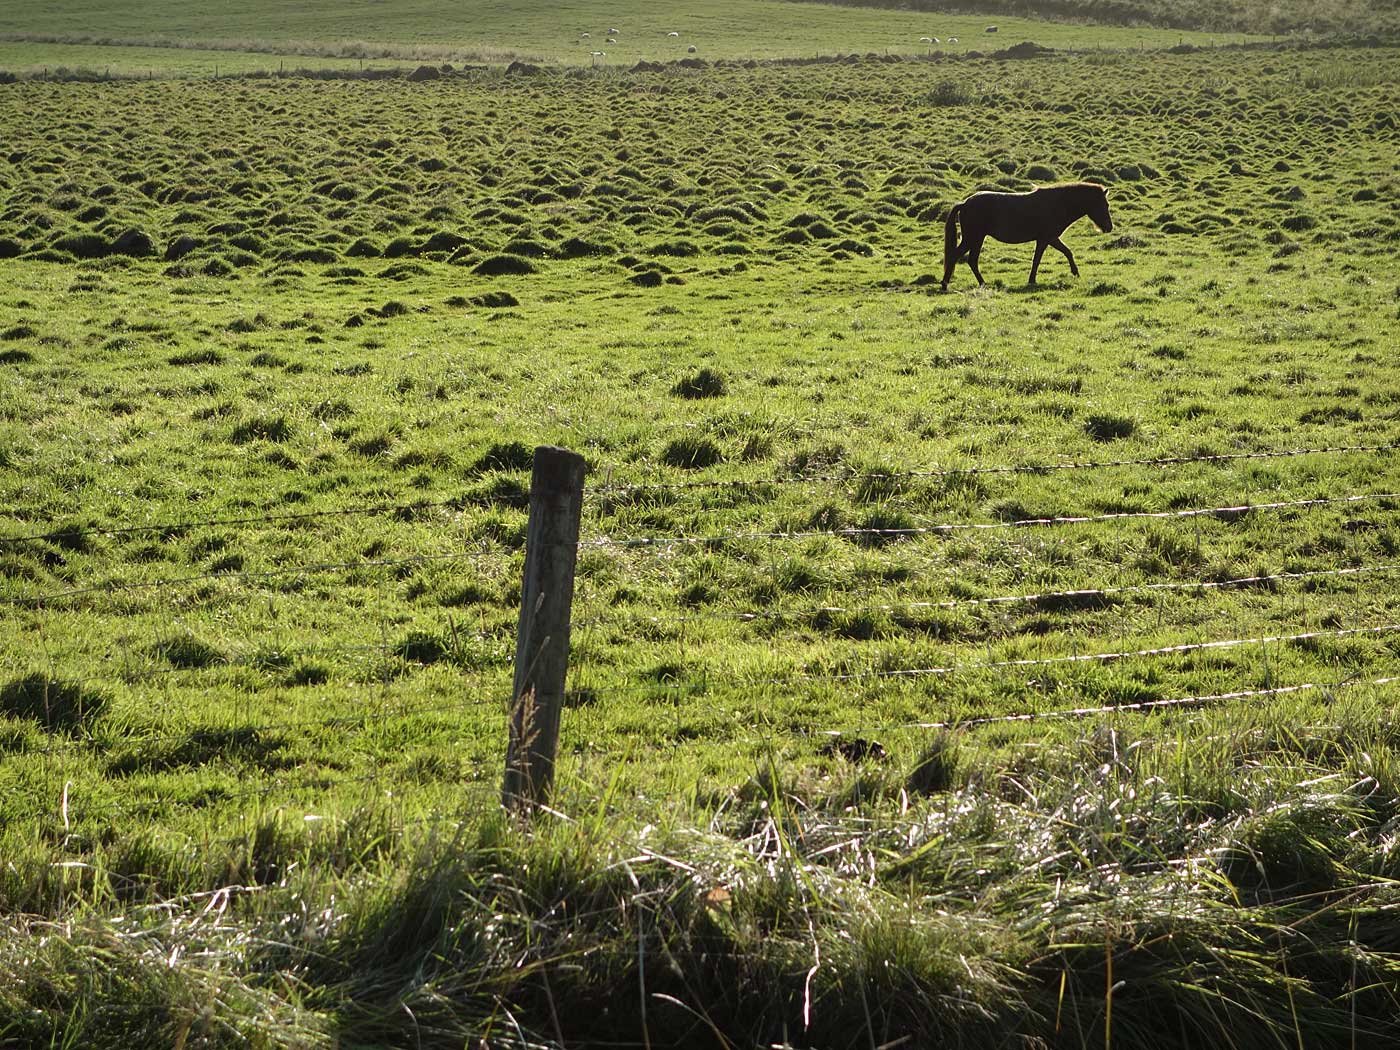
1039,214
1009,217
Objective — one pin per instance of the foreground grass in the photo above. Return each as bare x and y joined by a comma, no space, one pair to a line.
1207,876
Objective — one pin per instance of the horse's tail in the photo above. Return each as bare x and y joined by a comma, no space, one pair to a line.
950,237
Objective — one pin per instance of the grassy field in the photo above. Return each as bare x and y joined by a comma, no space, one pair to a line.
273,356
96,61
136,38
1356,18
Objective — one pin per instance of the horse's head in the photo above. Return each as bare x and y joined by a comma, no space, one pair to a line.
1098,210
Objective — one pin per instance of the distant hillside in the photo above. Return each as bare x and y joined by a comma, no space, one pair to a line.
1320,17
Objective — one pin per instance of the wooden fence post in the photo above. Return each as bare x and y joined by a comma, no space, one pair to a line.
542,639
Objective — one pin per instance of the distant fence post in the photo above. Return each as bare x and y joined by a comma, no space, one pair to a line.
542,639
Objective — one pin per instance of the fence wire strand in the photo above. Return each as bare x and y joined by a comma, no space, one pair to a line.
93,743
1228,512
605,491
56,531
1132,705
950,670
1081,594
163,733
119,586
373,509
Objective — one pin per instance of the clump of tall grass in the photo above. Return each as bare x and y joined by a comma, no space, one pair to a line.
1112,883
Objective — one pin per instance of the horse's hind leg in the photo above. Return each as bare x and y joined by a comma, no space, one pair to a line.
958,253
1065,252
1035,263
973,255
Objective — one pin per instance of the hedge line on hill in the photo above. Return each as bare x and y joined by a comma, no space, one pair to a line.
1378,18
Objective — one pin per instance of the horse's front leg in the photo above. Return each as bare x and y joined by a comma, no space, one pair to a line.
1035,263
1067,254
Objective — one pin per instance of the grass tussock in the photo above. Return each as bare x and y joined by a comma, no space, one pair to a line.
985,893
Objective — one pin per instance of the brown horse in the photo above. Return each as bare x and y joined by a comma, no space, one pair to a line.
1040,215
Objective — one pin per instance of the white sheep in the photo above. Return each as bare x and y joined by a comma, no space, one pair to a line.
991,29
613,32
584,36
673,33
952,40
925,39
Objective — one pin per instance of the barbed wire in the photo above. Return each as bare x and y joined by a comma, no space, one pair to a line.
497,699
1081,594
258,662
76,531
1164,650
58,531
480,768
117,586
94,743
120,586
1233,511
1001,665
260,791
1132,705
607,490
894,673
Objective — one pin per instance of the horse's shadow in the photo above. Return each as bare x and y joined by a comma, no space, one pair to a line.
1001,286
1037,288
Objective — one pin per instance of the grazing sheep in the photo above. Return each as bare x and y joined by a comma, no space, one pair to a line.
692,49
673,33
584,36
991,29
935,40
952,40
613,32
925,39
612,40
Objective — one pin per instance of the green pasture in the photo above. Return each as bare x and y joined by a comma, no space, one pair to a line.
1007,665
53,35
98,61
